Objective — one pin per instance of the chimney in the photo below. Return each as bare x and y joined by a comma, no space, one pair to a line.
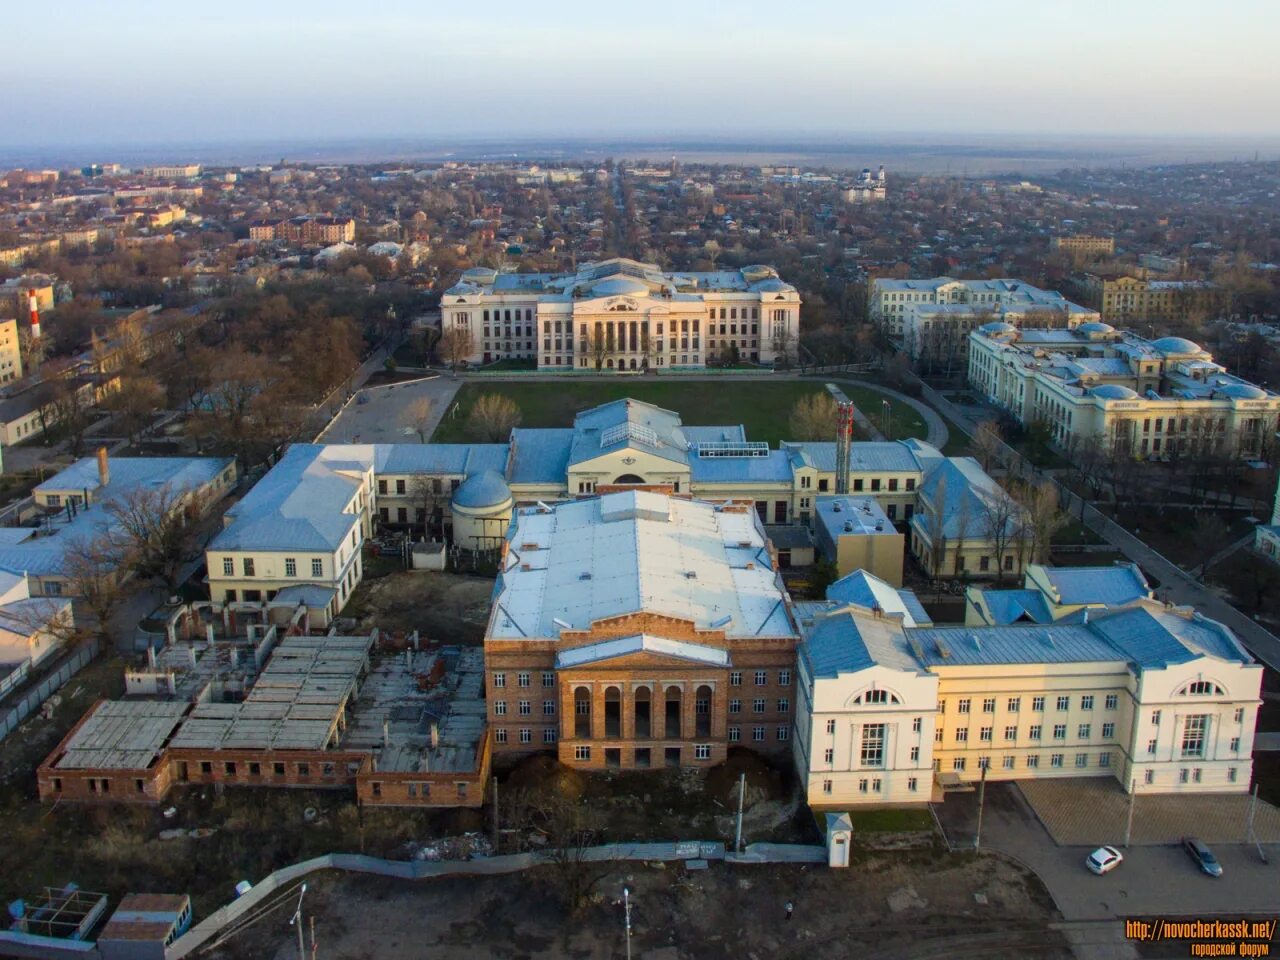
435,735
386,733
34,304
151,656
104,467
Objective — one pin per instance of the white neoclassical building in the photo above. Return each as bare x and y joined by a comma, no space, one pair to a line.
621,314
1154,399
1159,697
891,303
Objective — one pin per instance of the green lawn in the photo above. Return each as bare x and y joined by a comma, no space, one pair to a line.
763,408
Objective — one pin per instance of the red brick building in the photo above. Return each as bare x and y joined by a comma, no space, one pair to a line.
639,629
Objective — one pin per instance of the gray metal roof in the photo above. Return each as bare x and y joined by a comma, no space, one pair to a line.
586,560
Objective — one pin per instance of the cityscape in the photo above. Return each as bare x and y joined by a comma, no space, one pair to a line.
455,530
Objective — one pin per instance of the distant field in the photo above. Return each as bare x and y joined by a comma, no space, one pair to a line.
763,408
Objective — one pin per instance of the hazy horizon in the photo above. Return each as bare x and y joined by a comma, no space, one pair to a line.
145,74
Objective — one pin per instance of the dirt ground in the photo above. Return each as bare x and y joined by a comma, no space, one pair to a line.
894,906
444,607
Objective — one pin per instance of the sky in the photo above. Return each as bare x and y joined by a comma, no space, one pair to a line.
135,71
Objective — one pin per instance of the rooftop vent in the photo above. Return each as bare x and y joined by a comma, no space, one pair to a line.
836,508
562,624
848,526
528,546
691,574
944,651
585,576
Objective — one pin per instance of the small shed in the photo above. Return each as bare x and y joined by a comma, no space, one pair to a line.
144,925
839,839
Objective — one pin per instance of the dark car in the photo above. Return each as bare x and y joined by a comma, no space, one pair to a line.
1202,855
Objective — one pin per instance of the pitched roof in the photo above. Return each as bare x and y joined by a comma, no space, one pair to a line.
586,560
1110,586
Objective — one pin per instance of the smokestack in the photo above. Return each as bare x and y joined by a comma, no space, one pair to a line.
33,303
435,736
151,656
386,733
104,467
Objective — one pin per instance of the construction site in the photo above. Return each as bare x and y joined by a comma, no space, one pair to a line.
233,699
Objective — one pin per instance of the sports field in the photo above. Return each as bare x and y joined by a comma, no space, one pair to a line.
762,407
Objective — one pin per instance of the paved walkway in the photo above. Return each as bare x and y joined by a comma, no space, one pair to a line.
938,433
1092,810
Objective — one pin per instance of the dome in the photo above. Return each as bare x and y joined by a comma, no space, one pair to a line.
1095,326
1113,391
997,327
1176,346
1243,391
620,287
481,491
772,285
758,271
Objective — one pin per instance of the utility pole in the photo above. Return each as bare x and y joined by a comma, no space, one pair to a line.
1128,824
982,802
885,409
296,921
312,918
742,792
626,910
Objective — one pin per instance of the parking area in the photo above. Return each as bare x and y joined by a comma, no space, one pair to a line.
1155,879
1094,810
375,415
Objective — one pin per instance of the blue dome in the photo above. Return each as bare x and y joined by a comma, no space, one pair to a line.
1095,327
1243,391
1113,391
482,490
997,327
620,287
1176,346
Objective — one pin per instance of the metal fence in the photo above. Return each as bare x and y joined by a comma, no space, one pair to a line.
31,701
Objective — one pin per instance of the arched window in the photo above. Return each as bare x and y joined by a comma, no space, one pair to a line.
1201,688
612,712
629,478
702,711
675,701
582,712
876,698
643,712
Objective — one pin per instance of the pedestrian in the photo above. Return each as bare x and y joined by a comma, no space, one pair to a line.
789,906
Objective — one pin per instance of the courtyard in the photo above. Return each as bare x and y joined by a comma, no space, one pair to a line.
762,406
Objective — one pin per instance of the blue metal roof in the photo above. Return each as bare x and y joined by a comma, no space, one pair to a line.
1158,640
540,455
1010,606
1014,643
775,468
483,489
849,640
440,458
1111,586
298,505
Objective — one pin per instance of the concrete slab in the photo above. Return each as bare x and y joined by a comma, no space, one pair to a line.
379,418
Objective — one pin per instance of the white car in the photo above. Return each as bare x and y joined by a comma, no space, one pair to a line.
1104,860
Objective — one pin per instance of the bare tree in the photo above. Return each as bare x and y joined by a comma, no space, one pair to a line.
1003,526
137,401
987,443
418,416
97,569
814,416
160,530
71,409
426,494
572,826
1212,535
456,345
597,347
1043,518
493,417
